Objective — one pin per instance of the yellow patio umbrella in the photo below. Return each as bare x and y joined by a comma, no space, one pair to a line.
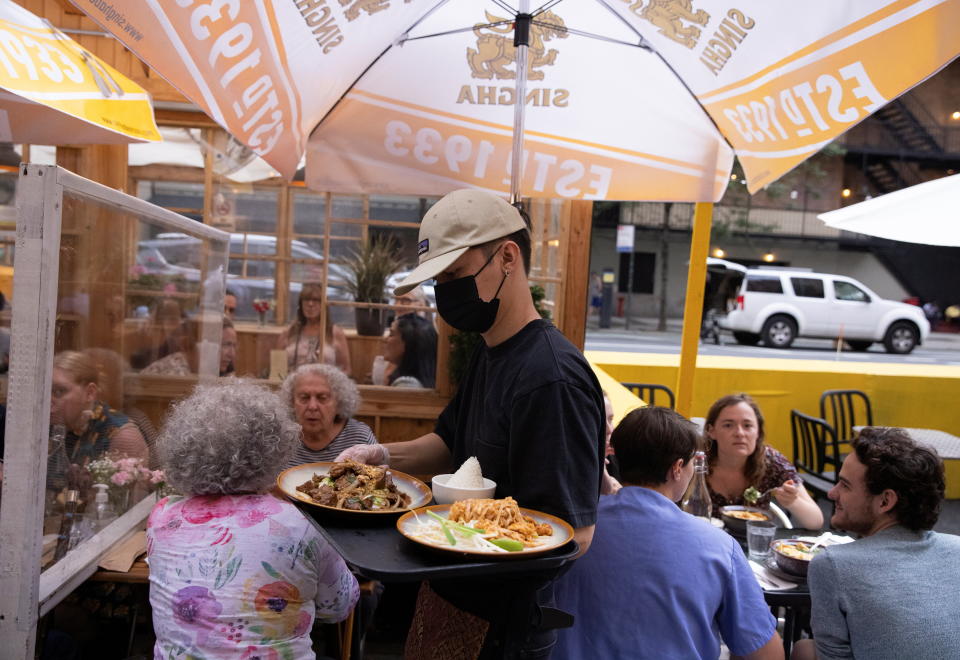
53,91
622,99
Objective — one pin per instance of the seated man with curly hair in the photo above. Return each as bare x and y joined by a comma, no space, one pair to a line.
892,594
235,571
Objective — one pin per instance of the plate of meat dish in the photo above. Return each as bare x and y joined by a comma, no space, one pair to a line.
353,488
491,528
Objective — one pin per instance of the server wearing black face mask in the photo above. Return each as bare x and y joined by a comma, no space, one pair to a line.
529,407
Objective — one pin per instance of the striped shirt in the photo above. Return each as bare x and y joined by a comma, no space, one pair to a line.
353,433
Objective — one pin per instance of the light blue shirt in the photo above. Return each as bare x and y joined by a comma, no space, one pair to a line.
659,583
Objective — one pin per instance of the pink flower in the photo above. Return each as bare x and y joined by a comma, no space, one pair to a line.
166,522
255,509
120,478
303,625
169,287
201,509
156,477
128,464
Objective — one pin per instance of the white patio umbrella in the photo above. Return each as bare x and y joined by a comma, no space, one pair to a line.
623,99
928,213
52,91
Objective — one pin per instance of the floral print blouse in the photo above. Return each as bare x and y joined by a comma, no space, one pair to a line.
777,470
240,576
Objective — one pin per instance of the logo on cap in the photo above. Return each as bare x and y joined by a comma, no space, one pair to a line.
423,247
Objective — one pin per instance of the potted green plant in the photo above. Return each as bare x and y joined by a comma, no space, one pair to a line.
368,268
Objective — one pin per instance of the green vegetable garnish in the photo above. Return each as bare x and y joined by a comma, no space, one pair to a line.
443,526
751,495
326,481
508,544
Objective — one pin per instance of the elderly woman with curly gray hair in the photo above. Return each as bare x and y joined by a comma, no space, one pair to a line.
324,401
235,571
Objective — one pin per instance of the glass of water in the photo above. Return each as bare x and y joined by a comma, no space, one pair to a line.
760,535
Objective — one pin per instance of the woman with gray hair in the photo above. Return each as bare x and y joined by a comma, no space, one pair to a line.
236,571
324,400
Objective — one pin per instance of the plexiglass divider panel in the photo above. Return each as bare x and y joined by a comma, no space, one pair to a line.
95,321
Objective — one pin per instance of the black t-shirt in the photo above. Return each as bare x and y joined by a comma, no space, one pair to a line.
531,410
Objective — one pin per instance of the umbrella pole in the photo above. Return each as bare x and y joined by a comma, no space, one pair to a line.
693,306
521,39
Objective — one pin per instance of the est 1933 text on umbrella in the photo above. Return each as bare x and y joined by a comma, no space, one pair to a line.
621,99
53,91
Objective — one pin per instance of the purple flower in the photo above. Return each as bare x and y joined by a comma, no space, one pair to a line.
196,607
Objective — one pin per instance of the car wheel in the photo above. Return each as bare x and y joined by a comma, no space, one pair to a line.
779,331
901,338
747,338
859,345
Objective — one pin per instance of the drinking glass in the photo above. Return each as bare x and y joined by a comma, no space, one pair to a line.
760,535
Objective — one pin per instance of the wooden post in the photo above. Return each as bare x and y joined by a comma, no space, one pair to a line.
28,403
693,306
576,274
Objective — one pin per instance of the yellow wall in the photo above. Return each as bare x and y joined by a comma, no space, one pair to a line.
911,395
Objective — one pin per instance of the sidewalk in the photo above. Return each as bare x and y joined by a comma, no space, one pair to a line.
943,341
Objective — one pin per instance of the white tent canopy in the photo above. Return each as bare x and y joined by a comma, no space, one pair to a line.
928,213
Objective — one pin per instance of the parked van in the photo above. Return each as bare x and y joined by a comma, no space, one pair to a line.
776,306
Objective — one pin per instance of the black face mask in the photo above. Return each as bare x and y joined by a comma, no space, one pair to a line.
460,305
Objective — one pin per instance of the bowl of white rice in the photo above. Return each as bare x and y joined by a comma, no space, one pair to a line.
467,483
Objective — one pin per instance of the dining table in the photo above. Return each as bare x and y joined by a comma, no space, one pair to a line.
794,602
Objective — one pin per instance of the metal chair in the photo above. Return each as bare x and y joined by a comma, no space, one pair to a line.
816,452
844,409
649,392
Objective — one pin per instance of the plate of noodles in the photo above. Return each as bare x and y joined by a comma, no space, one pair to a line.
487,527
353,488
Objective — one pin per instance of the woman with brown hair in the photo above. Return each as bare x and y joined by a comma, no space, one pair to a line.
739,459
302,340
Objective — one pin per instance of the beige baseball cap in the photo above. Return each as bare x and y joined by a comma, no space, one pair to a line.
459,221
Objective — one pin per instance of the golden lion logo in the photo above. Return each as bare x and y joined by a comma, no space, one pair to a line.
495,50
667,15
369,6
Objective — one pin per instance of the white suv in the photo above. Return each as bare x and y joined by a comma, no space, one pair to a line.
777,306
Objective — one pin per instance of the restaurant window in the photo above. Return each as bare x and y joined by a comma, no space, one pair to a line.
284,236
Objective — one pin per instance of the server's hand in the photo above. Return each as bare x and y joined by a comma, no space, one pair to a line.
370,454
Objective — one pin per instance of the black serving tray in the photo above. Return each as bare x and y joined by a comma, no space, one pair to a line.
380,552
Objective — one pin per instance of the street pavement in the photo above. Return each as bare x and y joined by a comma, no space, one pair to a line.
642,337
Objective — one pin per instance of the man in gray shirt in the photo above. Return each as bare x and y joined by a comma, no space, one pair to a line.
894,593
